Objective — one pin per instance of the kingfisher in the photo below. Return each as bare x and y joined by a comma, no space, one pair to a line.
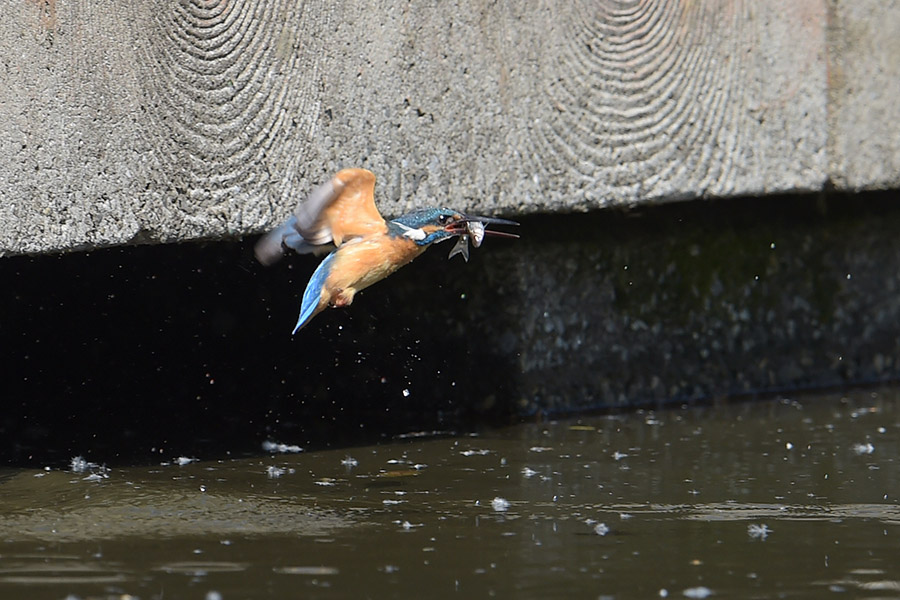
340,218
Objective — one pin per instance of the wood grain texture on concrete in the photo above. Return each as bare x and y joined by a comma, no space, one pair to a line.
864,86
148,122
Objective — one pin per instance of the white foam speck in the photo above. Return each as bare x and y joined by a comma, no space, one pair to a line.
184,460
864,448
475,452
601,529
269,446
500,504
697,592
79,465
758,531
528,472
95,472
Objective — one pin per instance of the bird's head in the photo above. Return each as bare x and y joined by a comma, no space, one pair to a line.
429,225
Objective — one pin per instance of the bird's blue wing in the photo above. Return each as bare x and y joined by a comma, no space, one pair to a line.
313,292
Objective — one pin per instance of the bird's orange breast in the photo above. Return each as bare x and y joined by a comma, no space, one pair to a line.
359,264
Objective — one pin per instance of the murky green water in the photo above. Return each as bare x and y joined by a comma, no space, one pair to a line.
791,498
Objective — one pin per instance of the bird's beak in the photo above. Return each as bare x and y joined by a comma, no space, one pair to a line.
460,227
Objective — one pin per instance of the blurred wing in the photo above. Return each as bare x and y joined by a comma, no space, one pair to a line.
336,211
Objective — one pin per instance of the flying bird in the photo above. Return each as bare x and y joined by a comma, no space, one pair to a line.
340,218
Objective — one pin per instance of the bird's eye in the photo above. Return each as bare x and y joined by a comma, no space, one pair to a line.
443,219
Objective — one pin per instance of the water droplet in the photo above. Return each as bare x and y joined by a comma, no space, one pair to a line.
758,531
500,504
867,448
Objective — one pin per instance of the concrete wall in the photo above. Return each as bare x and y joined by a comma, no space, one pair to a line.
133,122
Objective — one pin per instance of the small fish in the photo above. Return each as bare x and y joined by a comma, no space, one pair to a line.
475,232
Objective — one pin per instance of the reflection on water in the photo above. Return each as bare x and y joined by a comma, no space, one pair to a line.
792,497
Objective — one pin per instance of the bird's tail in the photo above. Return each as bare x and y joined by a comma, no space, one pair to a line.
312,302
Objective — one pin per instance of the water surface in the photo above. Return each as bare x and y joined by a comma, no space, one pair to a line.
794,497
